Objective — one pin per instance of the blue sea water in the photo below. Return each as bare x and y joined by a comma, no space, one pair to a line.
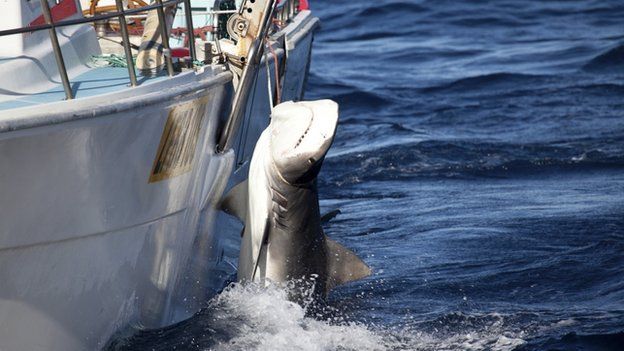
479,170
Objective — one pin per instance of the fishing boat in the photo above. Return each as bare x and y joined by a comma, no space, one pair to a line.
122,124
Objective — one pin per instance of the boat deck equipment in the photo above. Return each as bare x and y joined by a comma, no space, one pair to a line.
34,80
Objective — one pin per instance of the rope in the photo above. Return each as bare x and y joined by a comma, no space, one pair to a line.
278,91
270,90
111,60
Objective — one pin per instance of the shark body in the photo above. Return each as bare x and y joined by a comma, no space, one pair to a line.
283,238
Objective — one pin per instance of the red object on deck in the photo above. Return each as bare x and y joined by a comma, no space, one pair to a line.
62,10
198,32
180,52
304,5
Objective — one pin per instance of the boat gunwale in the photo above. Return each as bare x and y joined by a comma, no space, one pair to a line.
106,104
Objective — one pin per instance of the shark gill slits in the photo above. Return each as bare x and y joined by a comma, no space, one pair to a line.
279,198
278,213
278,223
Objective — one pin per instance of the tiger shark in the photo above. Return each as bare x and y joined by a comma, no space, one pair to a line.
283,239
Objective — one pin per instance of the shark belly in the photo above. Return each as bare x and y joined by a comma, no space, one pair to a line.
296,244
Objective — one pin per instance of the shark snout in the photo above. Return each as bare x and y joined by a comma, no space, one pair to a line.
301,134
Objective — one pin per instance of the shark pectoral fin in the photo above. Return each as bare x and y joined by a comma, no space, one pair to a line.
235,202
263,247
343,265
330,215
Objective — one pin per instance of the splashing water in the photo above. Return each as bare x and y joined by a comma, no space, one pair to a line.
255,317
264,319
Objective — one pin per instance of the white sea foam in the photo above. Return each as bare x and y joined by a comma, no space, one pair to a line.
263,318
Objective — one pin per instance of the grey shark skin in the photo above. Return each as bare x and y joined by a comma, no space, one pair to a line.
283,238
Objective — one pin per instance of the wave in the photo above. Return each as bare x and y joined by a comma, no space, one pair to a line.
404,8
602,88
429,55
375,15
487,81
610,61
347,96
463,159
361,100
573,341
490,21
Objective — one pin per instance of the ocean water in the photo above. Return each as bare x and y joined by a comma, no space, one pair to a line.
479,170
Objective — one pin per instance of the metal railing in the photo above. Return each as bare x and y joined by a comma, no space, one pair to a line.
286,10
283,13
121,15
58,55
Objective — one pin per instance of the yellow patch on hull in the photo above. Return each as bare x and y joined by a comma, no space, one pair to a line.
178,142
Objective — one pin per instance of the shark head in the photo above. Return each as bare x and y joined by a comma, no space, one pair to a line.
301,135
